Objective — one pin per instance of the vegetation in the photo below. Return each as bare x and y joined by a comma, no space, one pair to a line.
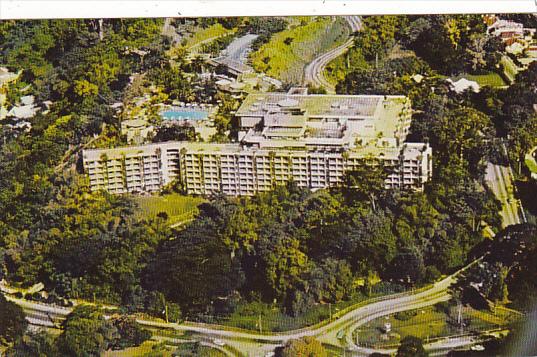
174,207
304,347
87,333
432,324
287,52
13,321
411,346
275,254
507,273
491,79
205,34
264,27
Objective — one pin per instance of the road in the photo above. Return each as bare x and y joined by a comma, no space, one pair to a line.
499,179
239,48
257,344
236,54
314,71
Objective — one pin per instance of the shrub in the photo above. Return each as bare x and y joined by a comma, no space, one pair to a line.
405,315
442,306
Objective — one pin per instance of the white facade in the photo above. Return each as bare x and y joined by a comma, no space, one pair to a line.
312,144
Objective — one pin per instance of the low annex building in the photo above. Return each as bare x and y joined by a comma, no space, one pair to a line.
310,139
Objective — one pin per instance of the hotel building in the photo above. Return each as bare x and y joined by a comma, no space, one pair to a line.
310,139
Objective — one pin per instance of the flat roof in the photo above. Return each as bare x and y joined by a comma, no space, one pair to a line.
412,150
317,105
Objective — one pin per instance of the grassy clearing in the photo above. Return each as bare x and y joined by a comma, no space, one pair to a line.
206,34
491,79
178,207
147,349
531,160
158,349
288,52
428,323
192,349
509,68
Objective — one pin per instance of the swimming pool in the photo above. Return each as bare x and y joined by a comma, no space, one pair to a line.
185,114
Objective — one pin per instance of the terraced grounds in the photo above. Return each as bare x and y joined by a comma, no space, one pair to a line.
288,52
179,208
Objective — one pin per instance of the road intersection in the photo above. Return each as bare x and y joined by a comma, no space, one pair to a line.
256,344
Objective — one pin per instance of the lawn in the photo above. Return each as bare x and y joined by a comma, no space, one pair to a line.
531,160
205,34
288,52
154,349
429,323
178,207
147,349
509,68
491,79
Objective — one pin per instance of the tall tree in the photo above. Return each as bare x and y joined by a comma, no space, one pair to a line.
85,333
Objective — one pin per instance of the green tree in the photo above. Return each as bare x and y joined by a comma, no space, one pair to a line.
130,333
411,346
195,267
13,321
377,36
86,332
365,182
34,344
304,347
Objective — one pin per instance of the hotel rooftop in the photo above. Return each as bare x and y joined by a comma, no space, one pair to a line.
297,119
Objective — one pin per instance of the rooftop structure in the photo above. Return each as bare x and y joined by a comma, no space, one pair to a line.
509,30
320,122
310,139
7,77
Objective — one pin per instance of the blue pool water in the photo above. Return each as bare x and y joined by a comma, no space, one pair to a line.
184,114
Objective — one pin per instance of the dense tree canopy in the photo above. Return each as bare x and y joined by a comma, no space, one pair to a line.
411,346
85,333
13,321
304,347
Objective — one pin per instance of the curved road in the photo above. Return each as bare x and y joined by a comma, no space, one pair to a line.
314,72
256,344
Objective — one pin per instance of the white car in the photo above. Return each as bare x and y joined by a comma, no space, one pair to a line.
218,342
477,348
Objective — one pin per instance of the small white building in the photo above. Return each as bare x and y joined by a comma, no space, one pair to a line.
464,84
